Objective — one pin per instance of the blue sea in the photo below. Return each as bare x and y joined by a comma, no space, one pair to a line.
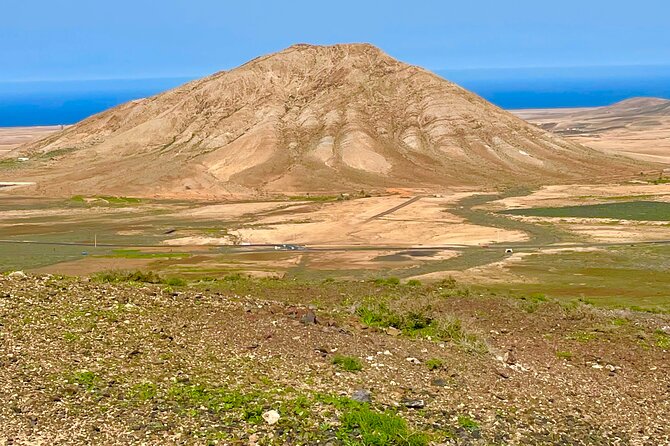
53,103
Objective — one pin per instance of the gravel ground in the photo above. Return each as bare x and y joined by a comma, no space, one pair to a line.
83,363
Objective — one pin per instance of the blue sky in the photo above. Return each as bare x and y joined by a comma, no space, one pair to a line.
88,39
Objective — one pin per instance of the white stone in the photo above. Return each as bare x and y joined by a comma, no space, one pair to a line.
271,417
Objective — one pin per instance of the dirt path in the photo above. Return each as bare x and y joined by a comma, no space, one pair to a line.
396,208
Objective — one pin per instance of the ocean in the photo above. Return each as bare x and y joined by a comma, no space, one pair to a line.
67,102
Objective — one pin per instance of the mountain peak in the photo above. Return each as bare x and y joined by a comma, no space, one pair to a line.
310,119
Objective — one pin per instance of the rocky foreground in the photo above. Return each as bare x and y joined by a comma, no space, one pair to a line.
341,363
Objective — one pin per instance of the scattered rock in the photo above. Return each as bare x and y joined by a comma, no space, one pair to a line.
413,360
17,275
362,396
322,351
439,382
413,403
271,417
509,358
308,318
393,331
502,374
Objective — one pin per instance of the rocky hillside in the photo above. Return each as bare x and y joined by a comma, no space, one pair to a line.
240,362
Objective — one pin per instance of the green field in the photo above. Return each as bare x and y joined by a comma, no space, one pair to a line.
634,277
630,210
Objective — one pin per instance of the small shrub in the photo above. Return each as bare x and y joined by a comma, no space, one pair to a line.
449,283
582,336
390,281
348,363
564,355
128,276
70,336
174,281
434,364
377,429
87,380
662,340
143,392
619,321
414,282
468,423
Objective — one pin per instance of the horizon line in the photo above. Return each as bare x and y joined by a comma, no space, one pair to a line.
435,70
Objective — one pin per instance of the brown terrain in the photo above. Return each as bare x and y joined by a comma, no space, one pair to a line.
13,137
309,118
638,127
416,316
86,363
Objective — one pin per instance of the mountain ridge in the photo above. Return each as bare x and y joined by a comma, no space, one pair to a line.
308,118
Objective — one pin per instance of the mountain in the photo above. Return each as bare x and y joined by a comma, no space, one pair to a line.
634,112
637,128
308,118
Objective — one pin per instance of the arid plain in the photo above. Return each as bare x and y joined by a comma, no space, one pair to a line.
328,246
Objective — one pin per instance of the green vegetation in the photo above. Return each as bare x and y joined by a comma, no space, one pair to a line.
359,423
564,355
662,339
105,200
582,336
630,210
9,163
468,423
143,391
55,153
365,427
128,276
215,400
138,277
418,323
530,303
85,379
137,254
620,321
434,364
387,281
348,363
631,277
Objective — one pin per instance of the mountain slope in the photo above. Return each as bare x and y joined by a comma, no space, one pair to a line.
308,118
637,127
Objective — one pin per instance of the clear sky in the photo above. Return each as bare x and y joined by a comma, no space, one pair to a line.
95,39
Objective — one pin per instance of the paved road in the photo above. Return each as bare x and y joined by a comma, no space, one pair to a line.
302,248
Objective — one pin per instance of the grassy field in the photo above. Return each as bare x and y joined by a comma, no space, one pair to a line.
633,277
630,210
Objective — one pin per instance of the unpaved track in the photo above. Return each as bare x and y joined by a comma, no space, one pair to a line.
395,208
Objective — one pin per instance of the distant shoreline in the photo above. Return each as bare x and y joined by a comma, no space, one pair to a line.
28,104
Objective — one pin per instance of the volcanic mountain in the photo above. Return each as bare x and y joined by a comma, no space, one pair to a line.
307,119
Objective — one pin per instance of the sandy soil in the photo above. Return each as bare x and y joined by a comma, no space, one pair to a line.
12,137
353,222
87,266
612,231
577,194
637,128
497,272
